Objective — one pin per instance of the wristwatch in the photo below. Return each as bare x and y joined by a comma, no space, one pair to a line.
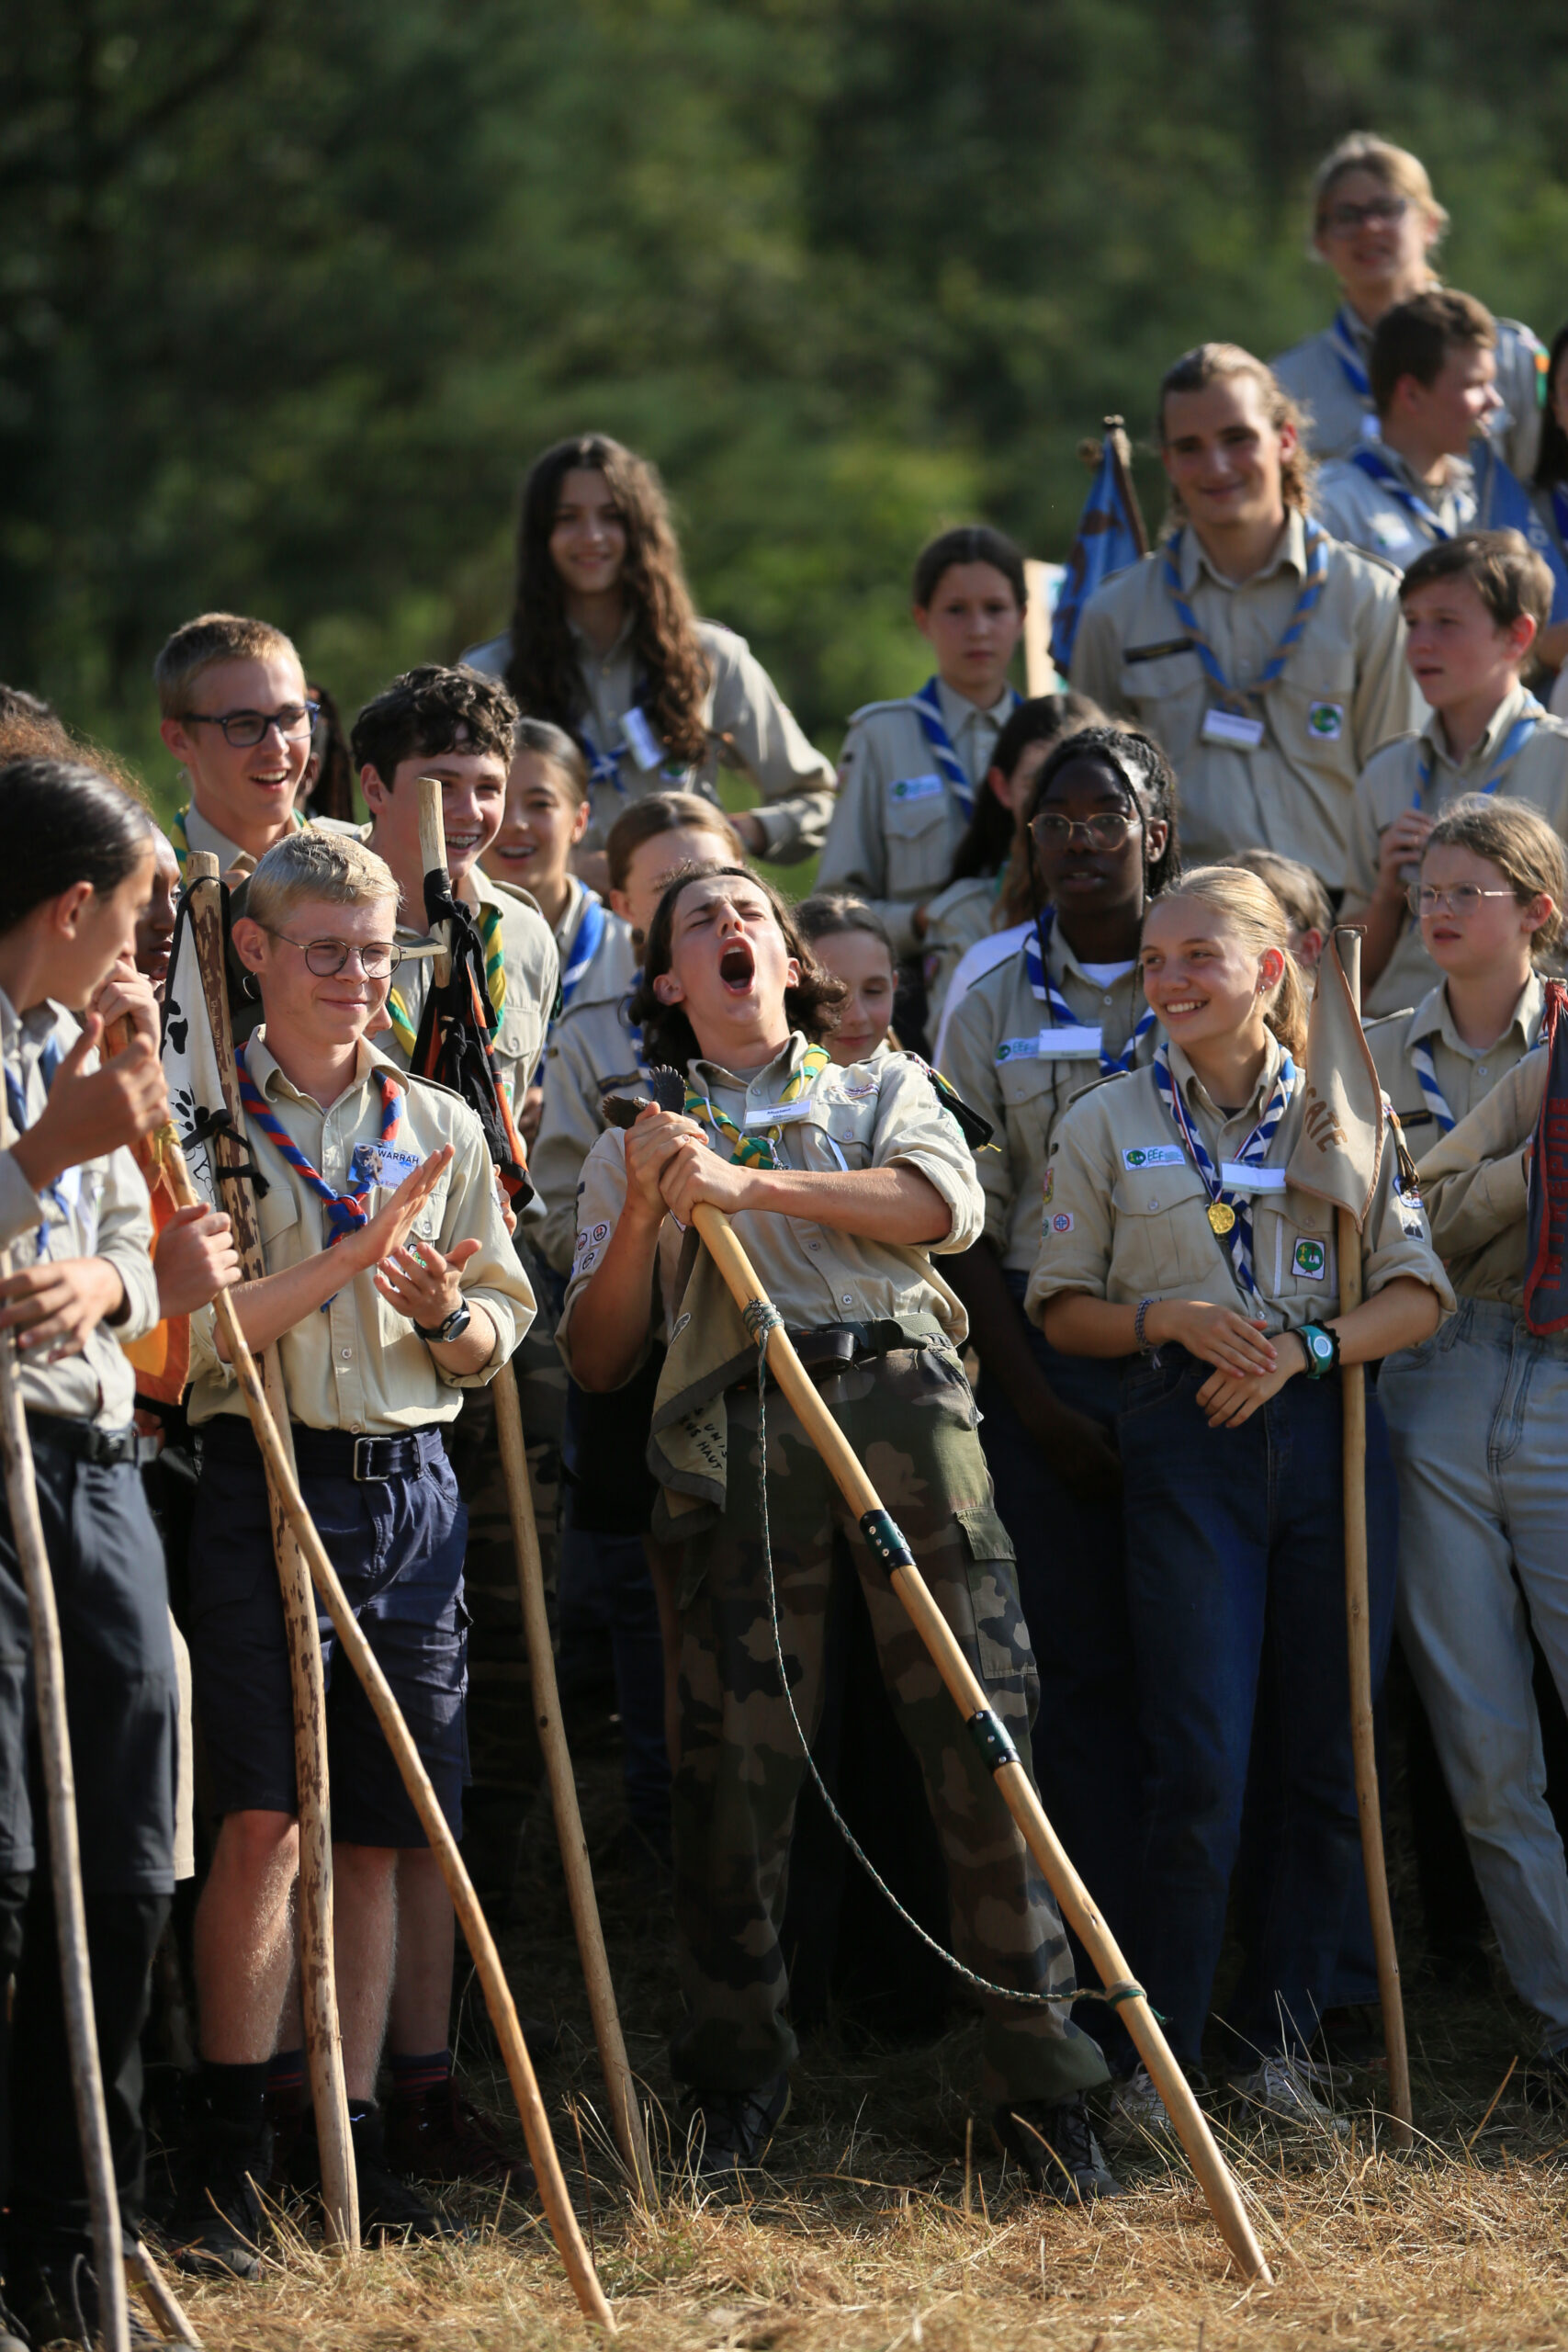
456,1323
1322,1350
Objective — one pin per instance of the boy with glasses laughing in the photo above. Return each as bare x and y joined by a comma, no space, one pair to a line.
237,715
393,1289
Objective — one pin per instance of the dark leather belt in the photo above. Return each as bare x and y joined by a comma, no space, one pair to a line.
84,1443
835,1346
336,1453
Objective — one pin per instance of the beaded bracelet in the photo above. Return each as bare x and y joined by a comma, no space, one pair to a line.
1146,1345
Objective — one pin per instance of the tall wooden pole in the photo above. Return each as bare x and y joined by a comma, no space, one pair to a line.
1017,1789
317,1981
64,1849
626,2113
1357,1621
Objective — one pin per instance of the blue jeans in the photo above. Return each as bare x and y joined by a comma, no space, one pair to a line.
1236,1578
1073,1587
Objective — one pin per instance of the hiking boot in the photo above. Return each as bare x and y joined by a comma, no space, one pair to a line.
1052,2144
1135,2114
389,2207
57,2302
218,2226
438,2134
730,2132
1285,2090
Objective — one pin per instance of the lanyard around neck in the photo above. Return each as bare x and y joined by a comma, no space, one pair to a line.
1237,697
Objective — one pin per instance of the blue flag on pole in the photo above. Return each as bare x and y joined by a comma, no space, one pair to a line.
1503,503
1111,535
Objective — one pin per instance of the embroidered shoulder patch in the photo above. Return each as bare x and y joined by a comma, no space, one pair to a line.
1062,1222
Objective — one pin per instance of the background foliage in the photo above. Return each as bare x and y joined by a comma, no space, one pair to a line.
290,290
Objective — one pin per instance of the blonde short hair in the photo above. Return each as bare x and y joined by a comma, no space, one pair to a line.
314,864
1363,150
211,637
1295,885
1248,906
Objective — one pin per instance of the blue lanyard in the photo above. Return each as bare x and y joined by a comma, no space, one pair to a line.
1518,735
16,1104
1312,589
1237,1239
928,710
1346,350
584,947
1421,1063
1372,463
1034,953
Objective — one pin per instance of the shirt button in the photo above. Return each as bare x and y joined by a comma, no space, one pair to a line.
1481,1071
1153,1202
1106,999
347,1353
846,1298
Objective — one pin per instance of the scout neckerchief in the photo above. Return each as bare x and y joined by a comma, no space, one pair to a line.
16,1104
1229,1211
1421,1063
405,1026
1035,949
180,838
757,1151
1348,351
1380,469
1518,735
928,710
346,1212
1235,698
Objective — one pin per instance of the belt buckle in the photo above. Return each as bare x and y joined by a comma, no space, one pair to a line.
362,1453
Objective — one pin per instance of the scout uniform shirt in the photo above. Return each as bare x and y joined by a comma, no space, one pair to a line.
1428,1073
874,1115
356,1363
1327,375
898,817
191,831
1475,1183
1528,761
1376,500
99,1209
1019,1061
593,1048
1125,1215
1344,690
749,728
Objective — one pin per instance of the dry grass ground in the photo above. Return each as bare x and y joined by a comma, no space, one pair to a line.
869,2230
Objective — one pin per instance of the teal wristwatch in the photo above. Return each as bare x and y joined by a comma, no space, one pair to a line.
1322,1350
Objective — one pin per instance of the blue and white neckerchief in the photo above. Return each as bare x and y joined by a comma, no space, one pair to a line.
1236,698
1381,470
1348,351
928,710
1035,948
16,1104
1254,1153
1421,1063
1514,742
604,767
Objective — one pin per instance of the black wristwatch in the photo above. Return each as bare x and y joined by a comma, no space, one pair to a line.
456,1323
1322,1350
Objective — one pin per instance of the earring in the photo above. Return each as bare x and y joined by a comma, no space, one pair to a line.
248,985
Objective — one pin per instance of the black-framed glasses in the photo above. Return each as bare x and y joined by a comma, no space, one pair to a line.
1461,901
378,958
1106,830
1382,212
243,730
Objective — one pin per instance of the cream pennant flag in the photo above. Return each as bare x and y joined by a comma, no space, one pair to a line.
190,1058
1339,1151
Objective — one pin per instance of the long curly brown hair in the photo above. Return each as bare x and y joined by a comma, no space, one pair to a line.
812,1005
543,671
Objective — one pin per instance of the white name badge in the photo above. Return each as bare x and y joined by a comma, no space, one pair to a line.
779,1114
1154,1154
1065,1040
1235,1176
645,748
1234,729
915,788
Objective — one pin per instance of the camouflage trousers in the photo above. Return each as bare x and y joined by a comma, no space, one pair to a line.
910,1417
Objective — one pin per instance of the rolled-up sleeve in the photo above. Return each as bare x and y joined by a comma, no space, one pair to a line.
913,1130
969,1065
762,736
1396,1243
1476,1180
600,1199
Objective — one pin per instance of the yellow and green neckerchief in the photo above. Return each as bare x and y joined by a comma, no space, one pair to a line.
405,1029
181,838
757,1151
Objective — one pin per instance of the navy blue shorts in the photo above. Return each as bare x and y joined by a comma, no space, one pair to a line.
396,1545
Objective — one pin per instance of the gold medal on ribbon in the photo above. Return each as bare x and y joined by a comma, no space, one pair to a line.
1221,1217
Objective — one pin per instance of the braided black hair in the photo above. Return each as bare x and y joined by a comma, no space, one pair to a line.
1138,763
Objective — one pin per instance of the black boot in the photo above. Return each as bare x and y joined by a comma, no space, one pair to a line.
219,2225
1054,2145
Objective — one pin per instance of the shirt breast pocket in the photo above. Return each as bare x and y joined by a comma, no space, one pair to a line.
1314,709
915,827
277,1218
1032,1092
838,1138
1170,687
1164,1242
1294,1255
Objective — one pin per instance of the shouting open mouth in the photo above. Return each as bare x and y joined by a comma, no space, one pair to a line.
737,967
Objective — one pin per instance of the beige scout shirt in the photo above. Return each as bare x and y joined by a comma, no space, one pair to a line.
1123,1220
357,1363
1475,1183
992,1057
1392,783
1353,505
874,1115
749,728
1345,690
101,1211
1464,1074
592,1049
190,831
1338,417
897,820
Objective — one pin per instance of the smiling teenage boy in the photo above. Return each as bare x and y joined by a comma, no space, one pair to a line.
392,1289
1474,608
237,716
1261,655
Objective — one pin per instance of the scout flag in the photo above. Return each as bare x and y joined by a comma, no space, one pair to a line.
1340,1149
1503,503
189,1057
1546,1277
1111,535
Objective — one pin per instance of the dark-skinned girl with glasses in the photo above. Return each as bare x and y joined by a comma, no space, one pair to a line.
1377,224
1064,1009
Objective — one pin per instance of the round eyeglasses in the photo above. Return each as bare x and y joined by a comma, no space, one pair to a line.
243,730
378,958
1107,831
